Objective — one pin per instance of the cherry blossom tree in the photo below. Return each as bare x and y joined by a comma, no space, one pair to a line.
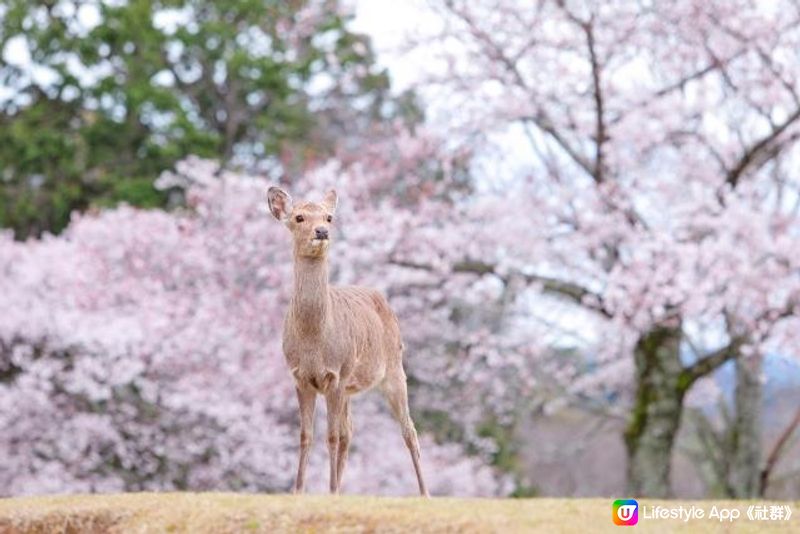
656,190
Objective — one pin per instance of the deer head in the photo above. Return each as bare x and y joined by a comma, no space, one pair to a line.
309,222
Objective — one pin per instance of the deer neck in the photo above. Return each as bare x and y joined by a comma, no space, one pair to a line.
311,300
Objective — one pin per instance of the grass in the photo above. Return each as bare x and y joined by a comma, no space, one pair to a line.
241,513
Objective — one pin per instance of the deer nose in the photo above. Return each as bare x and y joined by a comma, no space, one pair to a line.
322,233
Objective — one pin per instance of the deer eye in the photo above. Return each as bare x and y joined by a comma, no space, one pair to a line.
329,218
299,218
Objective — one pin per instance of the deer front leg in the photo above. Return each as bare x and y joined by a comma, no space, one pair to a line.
307,398
335,401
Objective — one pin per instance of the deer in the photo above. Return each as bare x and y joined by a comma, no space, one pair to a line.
337,341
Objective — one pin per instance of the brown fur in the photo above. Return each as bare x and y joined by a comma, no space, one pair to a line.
337,341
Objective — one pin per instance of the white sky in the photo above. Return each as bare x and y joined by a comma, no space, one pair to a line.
390,23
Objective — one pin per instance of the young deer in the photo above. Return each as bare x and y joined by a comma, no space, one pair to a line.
338,341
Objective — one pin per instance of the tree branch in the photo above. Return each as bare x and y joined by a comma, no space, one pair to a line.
711,362
762,151
542,121
678,85
775,452
572,291
600,125
569,290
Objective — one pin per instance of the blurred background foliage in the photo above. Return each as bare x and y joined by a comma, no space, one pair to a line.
97,103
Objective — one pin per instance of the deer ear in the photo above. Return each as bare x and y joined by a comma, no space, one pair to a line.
330,200
280,203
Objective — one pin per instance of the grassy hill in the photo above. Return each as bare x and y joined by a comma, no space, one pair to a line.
234,513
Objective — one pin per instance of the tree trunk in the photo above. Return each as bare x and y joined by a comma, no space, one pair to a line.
746,465
650,434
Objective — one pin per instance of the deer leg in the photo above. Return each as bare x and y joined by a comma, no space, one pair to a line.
396,393
307,398
345,434
335,402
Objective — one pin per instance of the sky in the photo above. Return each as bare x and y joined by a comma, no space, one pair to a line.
390,23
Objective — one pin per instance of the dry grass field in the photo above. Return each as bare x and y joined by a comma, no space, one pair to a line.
235,513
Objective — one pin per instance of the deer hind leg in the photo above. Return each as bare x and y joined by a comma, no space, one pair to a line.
335,401
345,435
396,393
307,398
